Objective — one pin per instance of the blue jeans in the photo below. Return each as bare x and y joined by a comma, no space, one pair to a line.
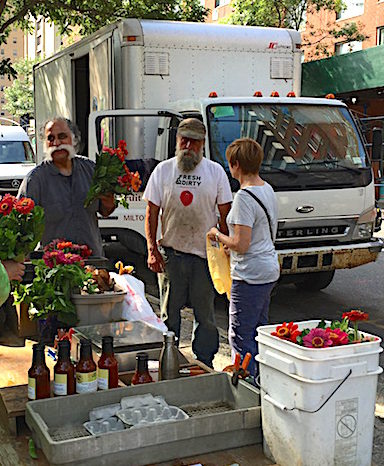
248,308
186,281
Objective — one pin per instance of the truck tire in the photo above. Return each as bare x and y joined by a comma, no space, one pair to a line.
315,281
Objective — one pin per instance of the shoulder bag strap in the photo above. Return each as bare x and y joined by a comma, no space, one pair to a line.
264,208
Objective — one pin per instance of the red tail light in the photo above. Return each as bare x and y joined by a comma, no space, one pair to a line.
275,94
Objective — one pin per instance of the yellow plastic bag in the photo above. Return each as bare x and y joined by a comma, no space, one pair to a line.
219,267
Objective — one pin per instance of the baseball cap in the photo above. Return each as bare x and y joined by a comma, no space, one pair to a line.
191,128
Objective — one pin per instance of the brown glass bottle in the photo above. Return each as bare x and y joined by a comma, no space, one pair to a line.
107,368
64,371
142,374
38,375
86,376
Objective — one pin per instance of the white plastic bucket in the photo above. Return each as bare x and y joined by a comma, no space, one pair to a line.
317,405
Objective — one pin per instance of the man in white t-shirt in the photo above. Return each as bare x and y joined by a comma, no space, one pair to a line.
188,190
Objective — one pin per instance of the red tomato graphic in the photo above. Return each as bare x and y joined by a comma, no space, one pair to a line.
186,197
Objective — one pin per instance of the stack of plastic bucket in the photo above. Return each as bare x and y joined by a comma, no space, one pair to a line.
317,405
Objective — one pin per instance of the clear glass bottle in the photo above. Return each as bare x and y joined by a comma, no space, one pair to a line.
169,358
64,371
141,374
86,376
39,382
107,367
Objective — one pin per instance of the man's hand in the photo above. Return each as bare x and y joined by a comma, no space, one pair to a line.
155,261
15,270
107,204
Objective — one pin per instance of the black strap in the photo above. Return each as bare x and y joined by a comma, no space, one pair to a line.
264,208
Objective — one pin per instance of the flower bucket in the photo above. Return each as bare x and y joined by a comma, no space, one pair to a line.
318,404
99,308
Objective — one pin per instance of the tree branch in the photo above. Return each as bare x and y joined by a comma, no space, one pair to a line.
3,4
20,15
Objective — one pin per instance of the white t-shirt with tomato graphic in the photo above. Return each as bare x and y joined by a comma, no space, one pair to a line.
188,202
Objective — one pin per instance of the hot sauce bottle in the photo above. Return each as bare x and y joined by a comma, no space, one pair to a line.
107,369
86,377
64,371
142,374
38,375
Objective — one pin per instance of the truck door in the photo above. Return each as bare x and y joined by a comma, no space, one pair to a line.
101,86
80,69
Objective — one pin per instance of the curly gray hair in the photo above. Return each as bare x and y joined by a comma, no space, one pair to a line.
73,128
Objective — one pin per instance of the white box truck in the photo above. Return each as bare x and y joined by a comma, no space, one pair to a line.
136,80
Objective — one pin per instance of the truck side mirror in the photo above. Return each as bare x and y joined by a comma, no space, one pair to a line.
377,144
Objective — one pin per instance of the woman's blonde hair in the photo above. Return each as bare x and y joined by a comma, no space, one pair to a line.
247,153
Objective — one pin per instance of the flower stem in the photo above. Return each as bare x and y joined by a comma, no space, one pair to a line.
356,332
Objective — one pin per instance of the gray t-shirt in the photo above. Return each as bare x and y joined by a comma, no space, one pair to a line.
260,263
62,198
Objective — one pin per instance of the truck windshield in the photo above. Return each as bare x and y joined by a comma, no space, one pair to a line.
305,146
16,152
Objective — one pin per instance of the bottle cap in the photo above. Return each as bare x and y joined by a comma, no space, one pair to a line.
142,356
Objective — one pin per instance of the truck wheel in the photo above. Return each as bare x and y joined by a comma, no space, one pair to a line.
315,281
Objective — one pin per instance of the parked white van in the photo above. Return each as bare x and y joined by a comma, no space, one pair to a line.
17,157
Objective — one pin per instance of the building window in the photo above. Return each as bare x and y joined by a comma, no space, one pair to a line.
217,3
14,40
15,53
1,88
2,101
2,113
2,76
380,36
347,47
352,8
2,51
38,40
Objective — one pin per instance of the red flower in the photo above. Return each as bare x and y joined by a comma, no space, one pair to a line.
123,147
287,332
355,315
6,204
24,205
337,336
136,182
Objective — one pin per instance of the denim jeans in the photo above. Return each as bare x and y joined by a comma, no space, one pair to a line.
186,281
248,309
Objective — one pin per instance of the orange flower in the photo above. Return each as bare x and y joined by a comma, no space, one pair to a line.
24,205
136,182
64,245
287,331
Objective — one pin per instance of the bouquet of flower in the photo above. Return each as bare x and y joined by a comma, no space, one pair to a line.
57,275
67,247
112,175
21,227
323,336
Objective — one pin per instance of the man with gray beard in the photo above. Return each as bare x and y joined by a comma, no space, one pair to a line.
60,184
188,190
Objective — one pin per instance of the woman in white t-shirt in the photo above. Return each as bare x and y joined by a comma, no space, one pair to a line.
252,223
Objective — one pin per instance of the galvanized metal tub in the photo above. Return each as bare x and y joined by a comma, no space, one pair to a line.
221,416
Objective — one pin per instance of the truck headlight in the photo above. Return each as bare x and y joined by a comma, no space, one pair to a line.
364,227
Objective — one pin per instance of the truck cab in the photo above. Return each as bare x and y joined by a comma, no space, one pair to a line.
17,158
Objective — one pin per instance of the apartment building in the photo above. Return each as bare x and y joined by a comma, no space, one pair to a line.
355,71
219,9
13,49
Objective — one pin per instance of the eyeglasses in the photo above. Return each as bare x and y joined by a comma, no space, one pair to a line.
60,136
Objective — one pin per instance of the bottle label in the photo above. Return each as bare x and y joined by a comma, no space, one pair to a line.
103,379
60,384
31,388
86,382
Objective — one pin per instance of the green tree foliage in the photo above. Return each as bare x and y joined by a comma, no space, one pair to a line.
292,14
19,96
89,15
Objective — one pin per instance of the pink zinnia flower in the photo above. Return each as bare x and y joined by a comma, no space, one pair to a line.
317,338
53,258
337,336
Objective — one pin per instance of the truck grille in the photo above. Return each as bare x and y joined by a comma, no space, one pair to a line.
306,232
11,185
